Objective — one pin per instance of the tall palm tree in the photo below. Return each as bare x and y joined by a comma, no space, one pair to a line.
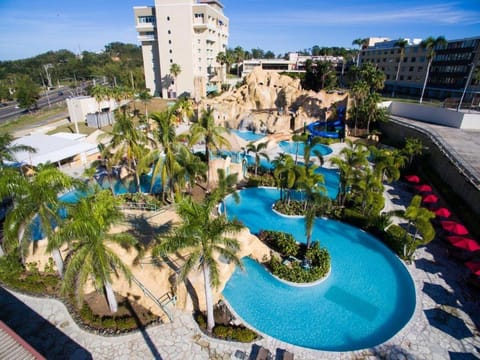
211,134
8,150
175,70
361,43
191,168
286,174
257,150
359,92
36,207
205,238
87,231
167,139
429,44
145,97
400,43
128,141
387,163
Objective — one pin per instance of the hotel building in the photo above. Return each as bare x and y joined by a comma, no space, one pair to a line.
188,33
453,66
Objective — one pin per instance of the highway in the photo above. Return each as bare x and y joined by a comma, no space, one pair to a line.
11,111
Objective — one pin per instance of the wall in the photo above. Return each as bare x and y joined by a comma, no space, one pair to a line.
435,115
396,133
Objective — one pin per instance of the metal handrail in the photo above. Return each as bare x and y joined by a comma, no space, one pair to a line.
152,297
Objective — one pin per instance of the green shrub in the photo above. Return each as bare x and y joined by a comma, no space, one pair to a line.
355,218
280,241
201,321
108,322
237,333
394,238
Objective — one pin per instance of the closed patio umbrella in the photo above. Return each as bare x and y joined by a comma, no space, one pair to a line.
423,188
443,212
474,266
413,179
454,227
464,243
430,199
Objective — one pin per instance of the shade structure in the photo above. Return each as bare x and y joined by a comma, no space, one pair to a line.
464,243
474,266
423,188
454,227
430,199
443,212
413,179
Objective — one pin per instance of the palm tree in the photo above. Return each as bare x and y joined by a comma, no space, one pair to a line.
145,97
8,150
420,219
191,168
127,141
87,232
400,43
167,139
226,185
211,134
205,238
298,138
429,44
35,201
387,163
359,92
412,148
175,70
257,150
286,174
184,108
361,43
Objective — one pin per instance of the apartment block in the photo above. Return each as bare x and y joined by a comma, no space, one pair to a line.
451,73
188,33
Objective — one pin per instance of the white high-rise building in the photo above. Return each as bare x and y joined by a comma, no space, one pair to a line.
188,33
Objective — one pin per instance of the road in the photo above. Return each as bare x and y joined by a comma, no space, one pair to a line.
11,111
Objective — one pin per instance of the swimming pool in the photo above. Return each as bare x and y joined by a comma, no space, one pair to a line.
247,135
292,147
368,297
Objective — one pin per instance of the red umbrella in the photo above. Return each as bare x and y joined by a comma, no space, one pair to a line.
464,243
413,179
430,199
474,266
423,188
443,212
454,227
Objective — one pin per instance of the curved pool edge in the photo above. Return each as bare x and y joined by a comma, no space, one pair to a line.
396,340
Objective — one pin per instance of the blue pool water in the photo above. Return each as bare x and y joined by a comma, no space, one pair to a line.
291,148
368,297
247,135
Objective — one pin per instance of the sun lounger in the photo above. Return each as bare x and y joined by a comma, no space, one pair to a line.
287,355
261,354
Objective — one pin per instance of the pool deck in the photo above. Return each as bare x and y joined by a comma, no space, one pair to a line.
445,324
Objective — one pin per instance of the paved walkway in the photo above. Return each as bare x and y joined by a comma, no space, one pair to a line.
445,324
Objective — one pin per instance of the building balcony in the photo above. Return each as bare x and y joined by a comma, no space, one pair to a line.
144,38
144,27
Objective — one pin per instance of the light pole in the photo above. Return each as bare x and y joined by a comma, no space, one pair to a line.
466,85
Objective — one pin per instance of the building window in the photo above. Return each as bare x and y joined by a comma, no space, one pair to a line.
170,51
401,77
409,78
420,68
413,59
169,32
171,61
146,19
410,68
169,41
168,18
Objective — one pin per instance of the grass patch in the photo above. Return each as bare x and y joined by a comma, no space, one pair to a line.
31,119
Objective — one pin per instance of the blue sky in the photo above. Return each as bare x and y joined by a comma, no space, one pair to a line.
30,27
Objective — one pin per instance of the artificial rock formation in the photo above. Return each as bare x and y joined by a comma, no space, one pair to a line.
273,102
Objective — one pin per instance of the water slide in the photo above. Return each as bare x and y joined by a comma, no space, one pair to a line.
329,129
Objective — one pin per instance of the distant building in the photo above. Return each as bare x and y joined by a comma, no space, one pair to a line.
188,33
451,67
295,63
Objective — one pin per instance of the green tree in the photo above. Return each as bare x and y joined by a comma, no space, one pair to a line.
206,129
87,231
286,174
36,207
258,151
27,92
412,148
401,44
430,44
175,70
205,239
8,150
226,185
420,219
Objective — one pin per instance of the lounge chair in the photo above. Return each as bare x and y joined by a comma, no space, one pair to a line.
260,353
287,355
